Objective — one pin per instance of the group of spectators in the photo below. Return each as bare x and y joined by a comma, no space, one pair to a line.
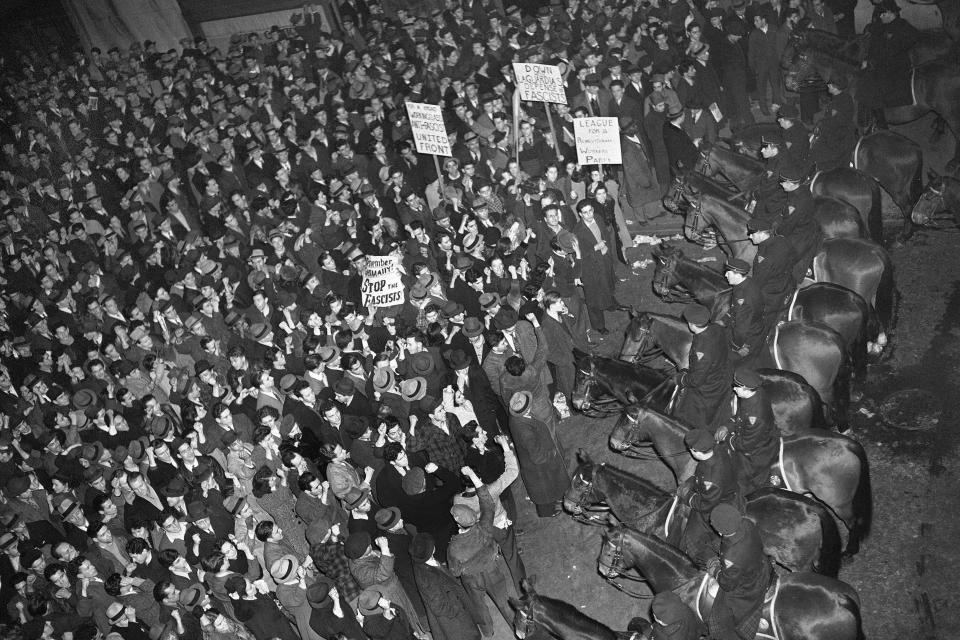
206,432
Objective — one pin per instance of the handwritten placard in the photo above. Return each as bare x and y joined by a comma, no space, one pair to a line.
382,282
429,132
539,82
598,140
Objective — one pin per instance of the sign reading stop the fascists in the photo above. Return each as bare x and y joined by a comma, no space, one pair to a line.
382,282
539,82
598,140
429,132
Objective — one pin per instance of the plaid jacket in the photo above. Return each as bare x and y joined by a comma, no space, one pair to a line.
443,450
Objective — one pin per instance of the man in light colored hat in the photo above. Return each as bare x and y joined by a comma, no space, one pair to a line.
291,579
474,556
539,452
375,568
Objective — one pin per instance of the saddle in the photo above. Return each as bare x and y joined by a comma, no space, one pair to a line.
767,630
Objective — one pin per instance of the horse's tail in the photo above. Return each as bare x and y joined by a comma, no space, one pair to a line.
886,297
875,215
841,391
831,545
862,501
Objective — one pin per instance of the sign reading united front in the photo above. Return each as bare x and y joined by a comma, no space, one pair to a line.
429,132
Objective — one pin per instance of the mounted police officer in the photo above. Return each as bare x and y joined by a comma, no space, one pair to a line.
769,196
714,482
753,436
745,317
772,268
888,61
743,572
798,225
706,383
834,137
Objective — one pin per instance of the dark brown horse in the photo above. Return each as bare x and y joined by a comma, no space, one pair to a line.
536,614
828,466
677,278
603,386
797,532
806,606
942,194
865,267
935,85
847,202
813,351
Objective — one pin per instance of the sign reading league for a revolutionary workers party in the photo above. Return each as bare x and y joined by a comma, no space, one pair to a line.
598,140
539,82
429,132
382,283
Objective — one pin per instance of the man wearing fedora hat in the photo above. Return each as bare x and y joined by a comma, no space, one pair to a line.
452,613
682,154
373,564
540,455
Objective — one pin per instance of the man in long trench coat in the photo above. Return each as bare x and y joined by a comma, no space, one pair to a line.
541,457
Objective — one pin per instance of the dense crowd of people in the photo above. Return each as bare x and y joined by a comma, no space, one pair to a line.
207,433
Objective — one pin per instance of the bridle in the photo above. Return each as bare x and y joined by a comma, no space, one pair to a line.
589,379
639,335
527,625
646,452
583,504
669,292
613,569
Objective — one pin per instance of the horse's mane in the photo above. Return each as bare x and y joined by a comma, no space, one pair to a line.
682,566
713,276
646,375
709,186
667,319
568,615
621,478
670,420
840,51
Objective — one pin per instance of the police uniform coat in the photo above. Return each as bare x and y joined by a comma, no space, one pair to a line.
706,385
754,438
801,229
773,271
744,583
889,56
745,317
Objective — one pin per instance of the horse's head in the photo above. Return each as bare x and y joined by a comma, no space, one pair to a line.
930,203
586,378
524,623
582,491
630,429
665,274
610,562
672,200
636,339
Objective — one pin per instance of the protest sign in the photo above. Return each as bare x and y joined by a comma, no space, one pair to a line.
539,82
598,140
382,284
429,132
